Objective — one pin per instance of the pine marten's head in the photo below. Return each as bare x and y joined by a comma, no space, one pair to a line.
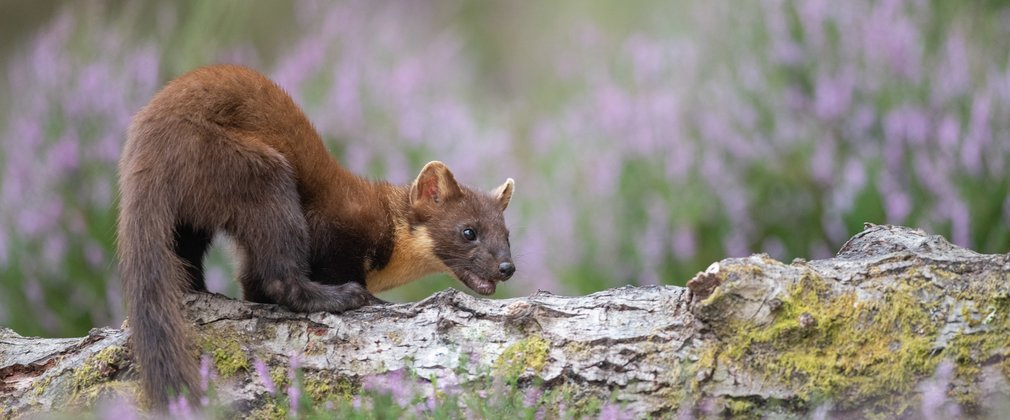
466,228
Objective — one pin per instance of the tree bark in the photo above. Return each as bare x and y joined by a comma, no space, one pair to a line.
899,323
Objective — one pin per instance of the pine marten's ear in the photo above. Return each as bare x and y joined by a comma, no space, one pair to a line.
434,184
504,193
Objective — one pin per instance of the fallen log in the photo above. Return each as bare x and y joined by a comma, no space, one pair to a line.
899,323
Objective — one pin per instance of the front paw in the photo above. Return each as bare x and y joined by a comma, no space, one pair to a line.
351,296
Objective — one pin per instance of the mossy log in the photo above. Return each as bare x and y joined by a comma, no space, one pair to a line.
898,324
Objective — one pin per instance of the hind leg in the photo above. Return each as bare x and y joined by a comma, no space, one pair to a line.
270,230
274,246
191,245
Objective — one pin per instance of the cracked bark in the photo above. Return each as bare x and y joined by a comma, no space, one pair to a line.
896,315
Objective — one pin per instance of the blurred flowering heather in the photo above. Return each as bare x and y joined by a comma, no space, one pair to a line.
936,403
264,376
394,383
59,152
645,142
781,128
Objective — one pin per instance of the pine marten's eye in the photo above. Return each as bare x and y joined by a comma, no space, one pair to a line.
469,234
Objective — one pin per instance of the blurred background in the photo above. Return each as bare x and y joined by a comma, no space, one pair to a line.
647,140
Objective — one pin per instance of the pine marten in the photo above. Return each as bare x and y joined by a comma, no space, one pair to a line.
223,149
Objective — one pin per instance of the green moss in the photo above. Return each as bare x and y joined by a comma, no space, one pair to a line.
328,388
739,407
677,371
227,353
988,337
103,391
577,348
853,352
529,353
576,402
704,366
40,386
98,368
279,375
269,411
865,354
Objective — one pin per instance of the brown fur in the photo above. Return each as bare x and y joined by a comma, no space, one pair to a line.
224,150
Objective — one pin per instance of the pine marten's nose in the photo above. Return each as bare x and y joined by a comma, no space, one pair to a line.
506,269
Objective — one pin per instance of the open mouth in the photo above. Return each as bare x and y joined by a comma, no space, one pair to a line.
476,283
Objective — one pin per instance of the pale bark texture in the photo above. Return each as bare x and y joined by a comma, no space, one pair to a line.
899,324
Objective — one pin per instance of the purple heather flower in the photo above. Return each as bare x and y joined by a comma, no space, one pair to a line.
893,39
113,293
821,412
979,133
685,412
45,58
948,134
897,203
735,244
684,243
345,98
532,396
448,385
179,408
613,106
93,254
64,157
935,402
653,242
264,374
647,57
36,222
662,101
207,374
308,55
393,383
852,182
426,406
785,50
833,94
294,364
813,14
774,247
294,395
960,220
612,411
822,163
860,124
118,408
217,279
952,77
54,248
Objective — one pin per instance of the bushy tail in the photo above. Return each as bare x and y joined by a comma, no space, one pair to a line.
153,279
